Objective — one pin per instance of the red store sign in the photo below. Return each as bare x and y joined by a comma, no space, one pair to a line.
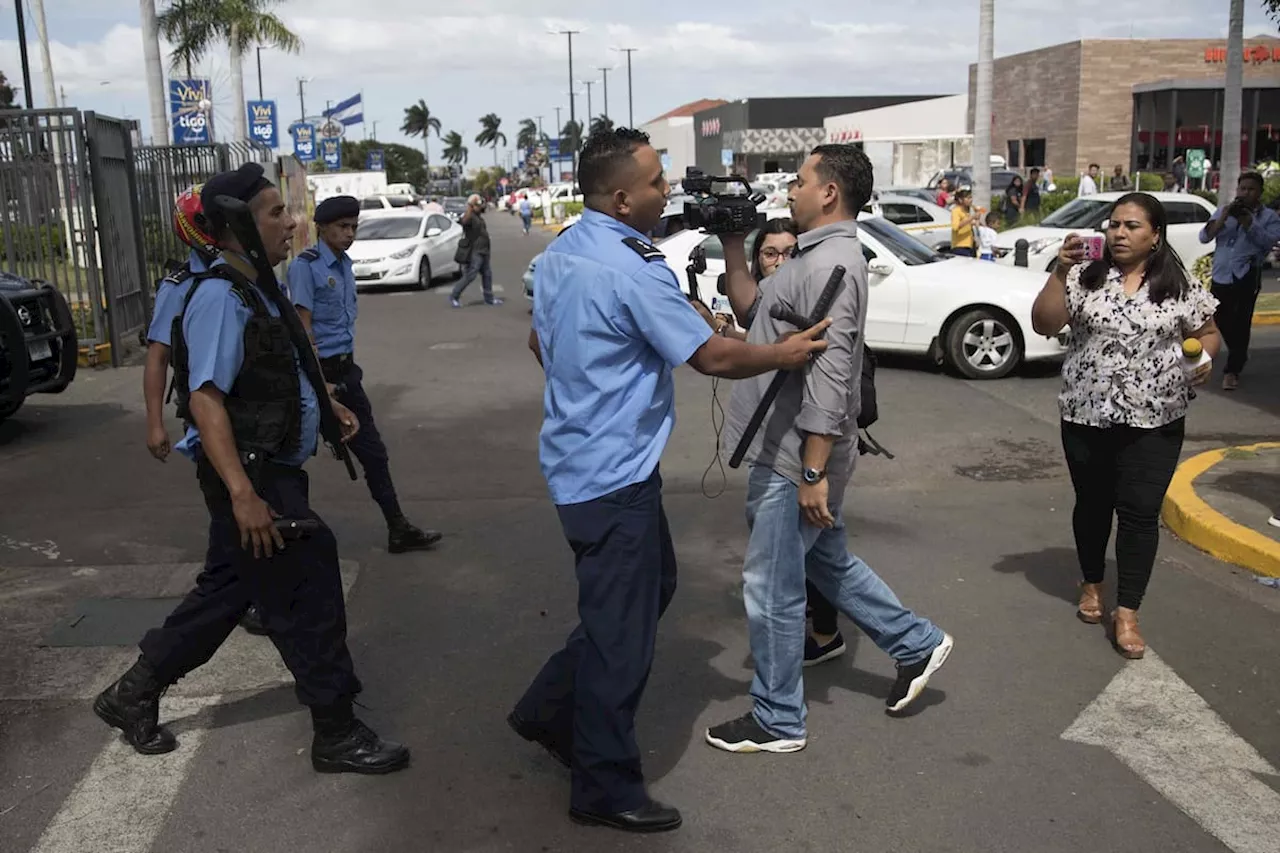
1257,54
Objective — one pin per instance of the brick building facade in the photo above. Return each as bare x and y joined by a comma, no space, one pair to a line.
1121,101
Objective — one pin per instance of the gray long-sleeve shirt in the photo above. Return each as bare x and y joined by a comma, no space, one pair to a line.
825,397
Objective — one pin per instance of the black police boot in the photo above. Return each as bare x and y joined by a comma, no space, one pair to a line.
403,536
132,705
343,744
251,621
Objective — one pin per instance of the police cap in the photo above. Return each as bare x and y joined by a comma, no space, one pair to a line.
338,207
243,183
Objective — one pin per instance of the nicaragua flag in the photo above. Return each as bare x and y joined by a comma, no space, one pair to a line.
350,111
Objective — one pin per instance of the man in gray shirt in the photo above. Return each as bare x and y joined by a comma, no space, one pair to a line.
801,461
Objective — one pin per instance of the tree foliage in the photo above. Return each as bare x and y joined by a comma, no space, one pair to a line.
7,92
418,121
194,27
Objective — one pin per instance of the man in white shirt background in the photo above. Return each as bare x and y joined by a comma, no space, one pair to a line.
1089,182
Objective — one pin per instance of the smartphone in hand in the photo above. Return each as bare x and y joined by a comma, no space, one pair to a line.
1093,245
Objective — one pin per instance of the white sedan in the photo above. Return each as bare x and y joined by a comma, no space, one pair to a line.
1187,214
974,316
924,220
404,248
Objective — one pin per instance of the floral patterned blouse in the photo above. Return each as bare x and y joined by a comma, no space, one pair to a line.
1124,362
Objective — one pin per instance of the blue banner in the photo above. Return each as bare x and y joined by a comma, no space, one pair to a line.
304,141
190,111
331,153
262,123
375,162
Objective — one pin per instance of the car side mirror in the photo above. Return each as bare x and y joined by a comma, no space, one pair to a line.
720,286
1103,226
698,260
434,232
880,267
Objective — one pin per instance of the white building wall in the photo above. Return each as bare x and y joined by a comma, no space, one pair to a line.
673,137
908,143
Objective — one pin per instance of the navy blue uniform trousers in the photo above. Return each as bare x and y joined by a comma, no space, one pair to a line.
367,444
298,592
586,695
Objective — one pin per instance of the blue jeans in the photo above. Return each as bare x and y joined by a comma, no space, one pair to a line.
527,220
782,549
477,264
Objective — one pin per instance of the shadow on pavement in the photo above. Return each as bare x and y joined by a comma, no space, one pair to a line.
1260,486
1053,571
36,424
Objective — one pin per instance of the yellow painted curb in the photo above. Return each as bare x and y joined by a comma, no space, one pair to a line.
1266,318
1196,522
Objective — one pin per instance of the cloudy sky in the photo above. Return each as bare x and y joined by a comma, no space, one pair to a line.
469,57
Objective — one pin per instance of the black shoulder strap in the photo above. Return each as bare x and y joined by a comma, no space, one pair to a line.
242,287
643,248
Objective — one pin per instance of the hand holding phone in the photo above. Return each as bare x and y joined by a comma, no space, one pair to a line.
1093,246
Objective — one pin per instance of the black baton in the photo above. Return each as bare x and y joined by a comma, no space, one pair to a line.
820,310
240,220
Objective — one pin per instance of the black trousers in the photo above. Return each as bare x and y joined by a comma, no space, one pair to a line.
367,445
1124,472
1235,316
298,592
586,695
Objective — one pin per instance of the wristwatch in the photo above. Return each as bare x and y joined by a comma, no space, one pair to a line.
812,476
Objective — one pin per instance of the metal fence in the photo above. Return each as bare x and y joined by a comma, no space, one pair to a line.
163,172
48,227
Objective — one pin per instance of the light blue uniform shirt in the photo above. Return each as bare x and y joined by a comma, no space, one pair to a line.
526,209
169,299
213,327
611,326
325,285
1237,249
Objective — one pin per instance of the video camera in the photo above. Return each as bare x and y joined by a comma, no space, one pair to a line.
721,205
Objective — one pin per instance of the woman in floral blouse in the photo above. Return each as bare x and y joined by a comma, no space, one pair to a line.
1124,395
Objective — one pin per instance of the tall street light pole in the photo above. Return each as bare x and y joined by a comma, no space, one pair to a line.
302,101
588,84
605,73
631,117
22,52
572,108
982,105
559,140
259,72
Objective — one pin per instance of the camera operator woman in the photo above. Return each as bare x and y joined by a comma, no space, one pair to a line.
1125,387
775,244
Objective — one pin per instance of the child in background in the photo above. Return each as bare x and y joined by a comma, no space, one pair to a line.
987,236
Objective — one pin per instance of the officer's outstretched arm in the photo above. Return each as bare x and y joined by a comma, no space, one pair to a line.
732,359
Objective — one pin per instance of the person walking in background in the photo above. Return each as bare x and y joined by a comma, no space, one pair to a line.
1046,181
1179,174
1013,198
1089,181
963,218
1124,395
526,214
1244,232
1120,182
474,252
1031,194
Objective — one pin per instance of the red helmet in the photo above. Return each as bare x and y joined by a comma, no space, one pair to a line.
191,224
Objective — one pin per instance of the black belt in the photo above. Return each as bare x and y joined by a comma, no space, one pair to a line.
336,366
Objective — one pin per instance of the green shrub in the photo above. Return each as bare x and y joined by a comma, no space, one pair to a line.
33,242
1271,191
1202,270
1070,186
1150,182
1049,202
572,208
1209,195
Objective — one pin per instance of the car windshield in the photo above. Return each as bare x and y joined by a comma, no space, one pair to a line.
389,228
1078,213
906,248
400,200
455,204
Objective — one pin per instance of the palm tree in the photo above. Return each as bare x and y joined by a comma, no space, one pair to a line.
528,136
455,153
195,26
1233,94
571,136
490,135
418,121
601,124
982,104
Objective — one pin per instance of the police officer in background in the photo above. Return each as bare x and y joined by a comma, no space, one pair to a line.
192,228
322,286
610,324
252,416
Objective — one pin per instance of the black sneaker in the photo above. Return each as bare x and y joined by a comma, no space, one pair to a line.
912,679
745,735
403,536
251,621
815,654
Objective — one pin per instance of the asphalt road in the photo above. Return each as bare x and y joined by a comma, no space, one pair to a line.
970,524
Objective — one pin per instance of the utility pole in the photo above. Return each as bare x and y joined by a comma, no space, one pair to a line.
1232,103
302,103
590,115
982,105
559,142
259,72
605,72
22,51
375,129
572,108
631,117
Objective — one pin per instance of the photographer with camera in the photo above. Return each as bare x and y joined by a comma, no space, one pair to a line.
610,324
801,462
1244,232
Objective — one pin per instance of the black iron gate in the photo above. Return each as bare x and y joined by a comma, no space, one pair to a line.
119,232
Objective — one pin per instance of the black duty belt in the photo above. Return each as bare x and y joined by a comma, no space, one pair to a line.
336,366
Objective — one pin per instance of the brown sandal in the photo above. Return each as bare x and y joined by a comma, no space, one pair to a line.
1125,637
1089,609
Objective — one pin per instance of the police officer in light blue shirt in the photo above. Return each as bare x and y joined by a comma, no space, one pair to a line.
610,325
1244,232
322,286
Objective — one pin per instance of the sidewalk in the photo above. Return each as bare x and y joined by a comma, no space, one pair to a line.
1220,501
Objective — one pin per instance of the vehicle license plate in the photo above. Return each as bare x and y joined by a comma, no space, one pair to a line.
362,271
39,350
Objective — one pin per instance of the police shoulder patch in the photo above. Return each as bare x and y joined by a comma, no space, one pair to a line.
178,276
643,248
311,254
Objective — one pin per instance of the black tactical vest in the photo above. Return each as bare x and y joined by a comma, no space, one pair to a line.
265,403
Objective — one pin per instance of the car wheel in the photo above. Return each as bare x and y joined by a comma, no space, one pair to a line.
982,344
424,274
7,409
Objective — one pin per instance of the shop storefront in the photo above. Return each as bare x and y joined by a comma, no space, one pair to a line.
908,143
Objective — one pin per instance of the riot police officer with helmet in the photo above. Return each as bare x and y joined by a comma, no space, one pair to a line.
246,379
